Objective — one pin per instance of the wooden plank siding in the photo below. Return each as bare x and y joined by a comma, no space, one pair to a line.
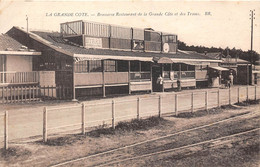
119,37
201,75
116,77
116,43
121,32
88,79
72,28
152,46
96,29
141,86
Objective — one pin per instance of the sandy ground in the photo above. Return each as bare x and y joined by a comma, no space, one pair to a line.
73,146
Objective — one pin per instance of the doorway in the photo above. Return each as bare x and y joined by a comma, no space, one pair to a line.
156,71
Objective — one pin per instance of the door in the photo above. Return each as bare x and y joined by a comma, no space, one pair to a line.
156,72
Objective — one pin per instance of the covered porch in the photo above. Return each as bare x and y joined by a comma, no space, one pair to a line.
16,68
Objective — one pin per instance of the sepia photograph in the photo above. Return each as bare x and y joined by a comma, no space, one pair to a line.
129,83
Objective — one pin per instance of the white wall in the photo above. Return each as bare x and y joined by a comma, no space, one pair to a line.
18,63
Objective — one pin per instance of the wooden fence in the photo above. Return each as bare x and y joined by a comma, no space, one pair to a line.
15,94
142,103
112,112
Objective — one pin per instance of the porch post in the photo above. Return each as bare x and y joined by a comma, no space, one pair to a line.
179,71
247,74
151,76
162,79
103,77
73,82
129,92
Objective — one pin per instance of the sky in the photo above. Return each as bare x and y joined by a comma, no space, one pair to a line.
206,23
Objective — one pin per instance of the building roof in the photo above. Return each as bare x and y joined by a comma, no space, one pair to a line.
238,61
10,46
215,55
7,43
56,41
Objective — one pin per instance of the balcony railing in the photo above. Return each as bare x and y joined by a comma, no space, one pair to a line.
140,76
19,77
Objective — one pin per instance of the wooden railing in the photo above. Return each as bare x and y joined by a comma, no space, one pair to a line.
19,77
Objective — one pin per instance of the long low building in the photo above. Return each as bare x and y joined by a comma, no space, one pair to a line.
100,59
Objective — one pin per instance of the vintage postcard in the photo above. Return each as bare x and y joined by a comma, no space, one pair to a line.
129,83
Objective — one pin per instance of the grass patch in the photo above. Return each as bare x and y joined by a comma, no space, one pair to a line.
66,140
199,113
134,124
248,102
227,107
14,152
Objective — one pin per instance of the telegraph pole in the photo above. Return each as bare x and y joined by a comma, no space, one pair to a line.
252,17
27,37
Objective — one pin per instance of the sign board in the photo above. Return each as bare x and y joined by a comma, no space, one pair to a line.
138,45
91,42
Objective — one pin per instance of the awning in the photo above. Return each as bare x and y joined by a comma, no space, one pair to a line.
197,63
82,57
220,68
162,60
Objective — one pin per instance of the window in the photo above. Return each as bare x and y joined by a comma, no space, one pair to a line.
145,66
95,66
167,67
169,38
175,67
122,66
110,65
81,66
134,66
2,63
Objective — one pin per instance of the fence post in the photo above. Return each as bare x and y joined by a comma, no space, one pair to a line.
6,130
238,94
218,98
176,104
255,93
247,98
206,100
113,114
83,118
192,101
3,97
45,124
138,108
160,106
229,96
22,93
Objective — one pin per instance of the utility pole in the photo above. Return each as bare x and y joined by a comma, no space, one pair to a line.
27,37
252,17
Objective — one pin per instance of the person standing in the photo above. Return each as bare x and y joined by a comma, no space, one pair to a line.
231,78
160,82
